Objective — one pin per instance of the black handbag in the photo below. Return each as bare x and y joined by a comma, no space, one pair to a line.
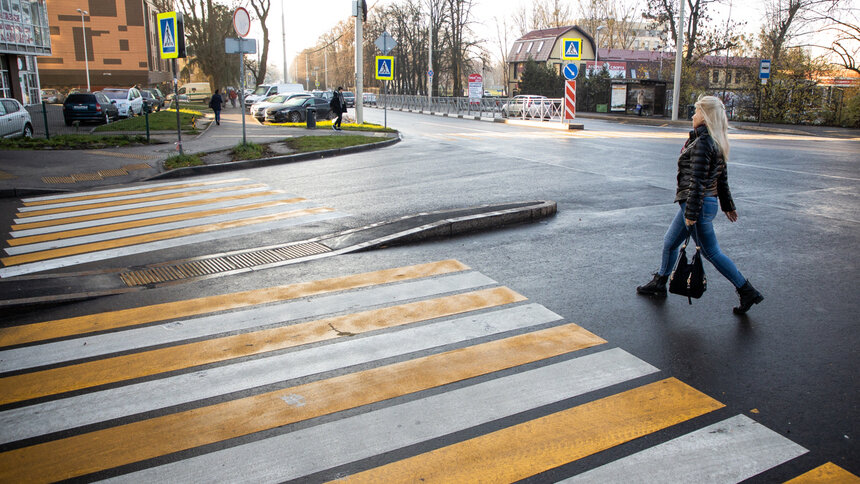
688,279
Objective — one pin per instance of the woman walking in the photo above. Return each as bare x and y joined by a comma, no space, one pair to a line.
702,179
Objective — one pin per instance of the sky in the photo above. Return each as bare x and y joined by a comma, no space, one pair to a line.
307,21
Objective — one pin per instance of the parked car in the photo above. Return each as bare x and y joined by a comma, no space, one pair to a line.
327,95
258,110
349,98
128,101
368,98
527,106
89,107
153,98
52,96
295,110
267,90
14,119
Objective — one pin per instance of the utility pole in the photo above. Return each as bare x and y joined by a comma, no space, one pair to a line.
679,45
86,56
359,10
283,43
430,60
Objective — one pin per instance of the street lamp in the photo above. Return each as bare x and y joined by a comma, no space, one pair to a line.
84,35
597,47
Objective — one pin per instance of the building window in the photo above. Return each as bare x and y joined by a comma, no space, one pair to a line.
540,46
716,76
729,75
529,48
519,47
123,44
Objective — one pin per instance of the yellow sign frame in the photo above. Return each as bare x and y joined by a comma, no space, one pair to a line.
382,58
175,53
564,55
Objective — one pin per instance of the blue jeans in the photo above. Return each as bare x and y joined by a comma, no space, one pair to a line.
704,236
218,116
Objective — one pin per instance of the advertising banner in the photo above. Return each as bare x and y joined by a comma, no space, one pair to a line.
616,69
476,88
618,101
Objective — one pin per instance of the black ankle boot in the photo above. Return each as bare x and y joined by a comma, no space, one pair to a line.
749,296
657,286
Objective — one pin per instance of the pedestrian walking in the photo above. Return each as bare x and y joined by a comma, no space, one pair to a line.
215,103
233,96
640,102
702,180
338,107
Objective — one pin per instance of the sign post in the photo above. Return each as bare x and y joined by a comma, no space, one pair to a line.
171,45
385,65
242,26
570,73
571,49
476,88
764,75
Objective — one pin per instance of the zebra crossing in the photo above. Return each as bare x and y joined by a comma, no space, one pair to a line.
57,231
482,135
327,379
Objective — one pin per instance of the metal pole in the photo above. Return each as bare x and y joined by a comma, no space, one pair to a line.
325,66
86,55
430,60
45,118
176,100
386,104
284,45
359,65
307,71
242,90
679,45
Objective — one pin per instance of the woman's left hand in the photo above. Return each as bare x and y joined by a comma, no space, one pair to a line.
689,222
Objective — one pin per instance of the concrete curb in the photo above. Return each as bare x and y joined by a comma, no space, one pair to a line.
276,160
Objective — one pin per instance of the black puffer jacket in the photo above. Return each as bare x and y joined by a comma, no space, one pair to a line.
702,173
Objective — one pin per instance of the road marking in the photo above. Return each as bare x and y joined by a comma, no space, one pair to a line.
826,473
125,444
538,445
89,196
121,155
299,453
726,452
98,406
81,325
90,374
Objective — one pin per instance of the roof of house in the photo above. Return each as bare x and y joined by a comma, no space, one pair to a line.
529,45
628,55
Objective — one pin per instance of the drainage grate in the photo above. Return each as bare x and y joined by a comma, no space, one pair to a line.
215,265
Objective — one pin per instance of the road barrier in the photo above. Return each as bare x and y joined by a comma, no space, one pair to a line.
489,107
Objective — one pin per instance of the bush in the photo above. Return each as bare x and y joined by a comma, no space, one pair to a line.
851,111
541,80
179,161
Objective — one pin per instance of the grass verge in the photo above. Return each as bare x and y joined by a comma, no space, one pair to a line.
377,128
160,121
72,142
303,144
180,161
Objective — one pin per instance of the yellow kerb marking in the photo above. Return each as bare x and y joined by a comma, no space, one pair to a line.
85,375
147,439
81,325
134,211
538,445
78,198
119,203
145,238
825,474
100,229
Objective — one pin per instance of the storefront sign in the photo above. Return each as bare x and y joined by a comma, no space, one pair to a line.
616,69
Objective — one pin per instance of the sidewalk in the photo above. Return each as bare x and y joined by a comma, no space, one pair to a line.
43,171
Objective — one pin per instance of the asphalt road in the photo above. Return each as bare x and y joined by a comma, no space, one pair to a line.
790,365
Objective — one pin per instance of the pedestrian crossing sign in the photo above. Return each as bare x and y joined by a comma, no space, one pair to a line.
171,35
571,49
385,67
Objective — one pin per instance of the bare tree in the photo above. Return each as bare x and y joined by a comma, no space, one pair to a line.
786,19
700,37
618,19
846,44
261,9
548,14
502,32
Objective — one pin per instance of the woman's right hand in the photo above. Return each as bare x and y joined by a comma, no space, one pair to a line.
732,216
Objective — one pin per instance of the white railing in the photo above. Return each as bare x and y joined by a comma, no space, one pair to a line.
490,107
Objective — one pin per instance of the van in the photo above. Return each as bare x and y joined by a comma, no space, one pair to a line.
265,90
194,91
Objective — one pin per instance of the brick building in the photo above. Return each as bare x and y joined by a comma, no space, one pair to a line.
121,45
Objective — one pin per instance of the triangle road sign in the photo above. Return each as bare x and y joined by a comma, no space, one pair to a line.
167,41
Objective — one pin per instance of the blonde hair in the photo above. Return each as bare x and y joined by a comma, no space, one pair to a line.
714,112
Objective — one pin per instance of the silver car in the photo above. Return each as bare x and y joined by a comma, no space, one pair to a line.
14,119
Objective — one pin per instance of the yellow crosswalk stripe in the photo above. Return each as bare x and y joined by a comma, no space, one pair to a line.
133,191
81,325
826,474
108,448
141,239
100,229
135,211
538,445
110,370
119,203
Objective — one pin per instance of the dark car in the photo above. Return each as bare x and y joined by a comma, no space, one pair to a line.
153,98
95,107
349,97
295,110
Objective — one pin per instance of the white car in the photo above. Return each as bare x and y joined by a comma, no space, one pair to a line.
14,119
258,110
527,106
128,101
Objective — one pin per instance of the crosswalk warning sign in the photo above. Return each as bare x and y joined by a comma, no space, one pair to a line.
571,49
171,35
384,67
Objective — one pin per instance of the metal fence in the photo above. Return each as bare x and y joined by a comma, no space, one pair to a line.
48,121
489,107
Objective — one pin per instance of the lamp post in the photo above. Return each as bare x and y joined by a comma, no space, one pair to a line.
84,35
597,47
